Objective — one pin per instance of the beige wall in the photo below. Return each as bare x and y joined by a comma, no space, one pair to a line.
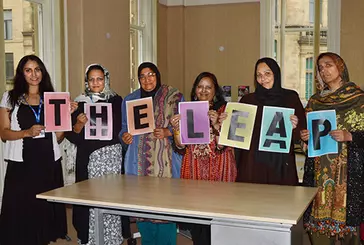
352,36
190,39
98,32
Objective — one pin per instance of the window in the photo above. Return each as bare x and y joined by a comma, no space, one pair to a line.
9,66
8,25
142,36
311,11
287,34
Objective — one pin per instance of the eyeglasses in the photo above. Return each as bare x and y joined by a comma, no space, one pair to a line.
147,75
266,74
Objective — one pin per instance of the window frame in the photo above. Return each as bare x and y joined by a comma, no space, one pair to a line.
267,28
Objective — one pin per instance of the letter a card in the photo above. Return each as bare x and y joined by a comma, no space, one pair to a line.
99,125
140,116
276,129
57,112
195,122
320,123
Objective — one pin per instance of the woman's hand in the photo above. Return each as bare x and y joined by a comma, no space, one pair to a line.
341,135
74,106
161,133
294,120
304,134
82,119
175,121
127,138
222,117
34,130
214,116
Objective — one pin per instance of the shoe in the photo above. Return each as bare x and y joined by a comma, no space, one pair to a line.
132,241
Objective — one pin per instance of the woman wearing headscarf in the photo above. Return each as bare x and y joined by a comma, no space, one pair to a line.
96,157
338,209
211,161
263,167
151,154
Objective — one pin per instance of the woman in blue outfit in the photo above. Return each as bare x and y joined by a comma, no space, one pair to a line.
152,154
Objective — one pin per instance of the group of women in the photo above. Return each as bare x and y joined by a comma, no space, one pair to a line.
33,162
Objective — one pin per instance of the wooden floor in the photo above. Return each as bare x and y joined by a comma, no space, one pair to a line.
181,240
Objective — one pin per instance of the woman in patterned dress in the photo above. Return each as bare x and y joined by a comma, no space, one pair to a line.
211,161
96,157
338,209
152,154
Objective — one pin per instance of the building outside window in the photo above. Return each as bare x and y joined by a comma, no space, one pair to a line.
9,66
8,25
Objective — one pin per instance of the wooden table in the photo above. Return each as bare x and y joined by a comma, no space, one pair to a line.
239,213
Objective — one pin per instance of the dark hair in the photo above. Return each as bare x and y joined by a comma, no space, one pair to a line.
20,84
218,91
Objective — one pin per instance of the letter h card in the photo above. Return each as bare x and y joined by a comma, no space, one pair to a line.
99,125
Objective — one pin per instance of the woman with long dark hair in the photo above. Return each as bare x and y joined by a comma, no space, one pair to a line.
34,161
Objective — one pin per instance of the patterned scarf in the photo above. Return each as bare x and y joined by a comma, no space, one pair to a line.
329,206
91,97
155,155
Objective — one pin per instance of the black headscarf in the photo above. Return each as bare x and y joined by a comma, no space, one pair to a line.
271,97
158,78
275,95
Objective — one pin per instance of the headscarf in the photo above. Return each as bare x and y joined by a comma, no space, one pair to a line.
104,95
158,78
275,95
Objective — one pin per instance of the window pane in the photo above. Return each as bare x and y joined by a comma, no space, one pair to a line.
295,47
9,66
8,25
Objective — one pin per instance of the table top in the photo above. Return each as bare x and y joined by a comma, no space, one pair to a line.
202,199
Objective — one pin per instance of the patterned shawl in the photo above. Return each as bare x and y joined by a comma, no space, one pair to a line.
155,155
330,171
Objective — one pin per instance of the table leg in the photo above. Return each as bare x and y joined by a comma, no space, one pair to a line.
99,227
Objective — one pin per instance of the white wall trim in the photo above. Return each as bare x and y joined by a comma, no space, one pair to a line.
202,2
334,26
266,28
65,30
